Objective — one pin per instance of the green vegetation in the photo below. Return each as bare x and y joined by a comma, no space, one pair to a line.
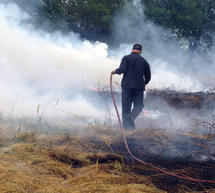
193,20
190,19
91,18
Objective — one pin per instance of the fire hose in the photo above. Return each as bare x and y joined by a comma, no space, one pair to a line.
165,171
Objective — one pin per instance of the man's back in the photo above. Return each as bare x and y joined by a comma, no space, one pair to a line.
136,74
136,71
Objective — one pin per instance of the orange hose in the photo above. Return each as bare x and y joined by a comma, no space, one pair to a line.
165,171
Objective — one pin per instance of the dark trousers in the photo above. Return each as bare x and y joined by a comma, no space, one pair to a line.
129,97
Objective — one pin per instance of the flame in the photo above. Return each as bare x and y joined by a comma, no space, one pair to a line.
95,89
146,113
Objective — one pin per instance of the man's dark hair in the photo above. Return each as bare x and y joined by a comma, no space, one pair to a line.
137,47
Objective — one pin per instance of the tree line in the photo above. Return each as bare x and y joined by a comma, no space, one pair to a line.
193,20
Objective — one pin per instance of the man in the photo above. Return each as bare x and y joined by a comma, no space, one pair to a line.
136,74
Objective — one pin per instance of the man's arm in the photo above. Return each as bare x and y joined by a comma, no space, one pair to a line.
122,68
147,73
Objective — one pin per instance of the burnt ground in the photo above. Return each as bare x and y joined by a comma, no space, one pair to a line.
179,164
182,100
176,99
190,153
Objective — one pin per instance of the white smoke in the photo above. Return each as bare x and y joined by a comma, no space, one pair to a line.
37,67
172,66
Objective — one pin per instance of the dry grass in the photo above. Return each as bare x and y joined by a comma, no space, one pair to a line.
34,164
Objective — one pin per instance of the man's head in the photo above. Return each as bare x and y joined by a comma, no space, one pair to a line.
137,48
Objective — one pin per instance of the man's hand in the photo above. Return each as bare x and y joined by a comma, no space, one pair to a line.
145,85
113,72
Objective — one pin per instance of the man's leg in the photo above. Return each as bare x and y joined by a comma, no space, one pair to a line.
126,108
137,103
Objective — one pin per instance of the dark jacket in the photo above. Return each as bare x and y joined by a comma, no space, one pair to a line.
136,71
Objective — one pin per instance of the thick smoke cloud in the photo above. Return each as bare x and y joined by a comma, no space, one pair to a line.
50,74
36,67
172,66
39,68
